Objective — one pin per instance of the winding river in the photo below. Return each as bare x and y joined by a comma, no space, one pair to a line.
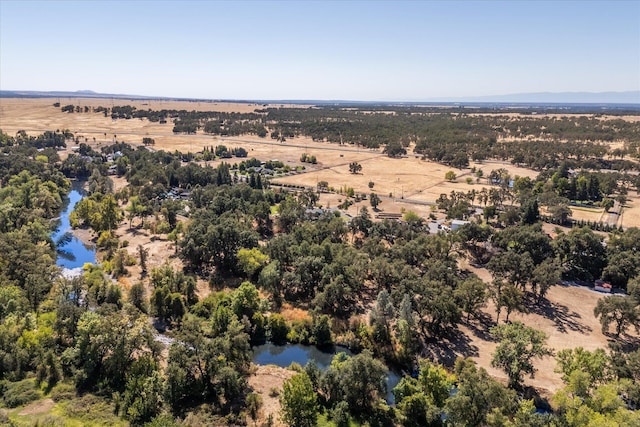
72,253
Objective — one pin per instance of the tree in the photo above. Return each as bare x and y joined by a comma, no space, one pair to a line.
278,329
472,296
381,316
251,261
374,199
450,176
321,331
545,275
143,254
513,267
358,380
254,401
355,167
607,204
519,345
141,400
620,310
512,298
478,395
593,366
530,212
290,212
560,213
109,213
581,253
137,297
299,401
394,149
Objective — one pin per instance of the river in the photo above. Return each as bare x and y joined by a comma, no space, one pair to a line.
72,253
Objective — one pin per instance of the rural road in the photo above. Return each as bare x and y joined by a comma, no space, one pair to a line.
613,215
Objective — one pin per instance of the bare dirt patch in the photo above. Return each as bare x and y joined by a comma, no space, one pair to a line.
39,407
264,381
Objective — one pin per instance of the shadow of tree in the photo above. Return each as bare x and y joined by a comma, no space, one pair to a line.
625,342
447,350
560,314
480,326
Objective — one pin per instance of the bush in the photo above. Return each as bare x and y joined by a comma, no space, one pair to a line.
91,408
19,393
63,392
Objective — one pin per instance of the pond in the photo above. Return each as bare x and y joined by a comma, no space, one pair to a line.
72,254
284,355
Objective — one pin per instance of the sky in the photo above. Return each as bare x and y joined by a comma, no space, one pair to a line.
325,50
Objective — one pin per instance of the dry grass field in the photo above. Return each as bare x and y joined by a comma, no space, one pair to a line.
407,183
566,317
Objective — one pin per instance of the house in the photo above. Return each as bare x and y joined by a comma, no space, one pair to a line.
602,286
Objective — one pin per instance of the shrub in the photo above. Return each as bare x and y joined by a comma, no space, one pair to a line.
63,391
19,393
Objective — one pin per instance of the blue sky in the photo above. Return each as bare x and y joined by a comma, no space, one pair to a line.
375,51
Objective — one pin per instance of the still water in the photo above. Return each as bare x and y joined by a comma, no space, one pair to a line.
284,355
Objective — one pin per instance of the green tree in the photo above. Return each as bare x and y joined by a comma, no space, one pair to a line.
374,200
519,345
545,275
355,167
278,329
142,398
478,395
450,176
607,204
581,253
299,403
251,261
617,309
134,209
472,296
358,380
592,366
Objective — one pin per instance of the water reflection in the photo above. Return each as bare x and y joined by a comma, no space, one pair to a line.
71,252
285,355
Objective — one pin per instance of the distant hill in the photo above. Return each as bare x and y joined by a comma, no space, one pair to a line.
65,94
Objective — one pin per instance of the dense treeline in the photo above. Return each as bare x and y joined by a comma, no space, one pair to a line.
452,138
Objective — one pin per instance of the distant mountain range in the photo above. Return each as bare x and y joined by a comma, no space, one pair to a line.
66,94
600,98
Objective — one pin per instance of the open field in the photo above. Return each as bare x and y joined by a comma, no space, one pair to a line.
408,183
